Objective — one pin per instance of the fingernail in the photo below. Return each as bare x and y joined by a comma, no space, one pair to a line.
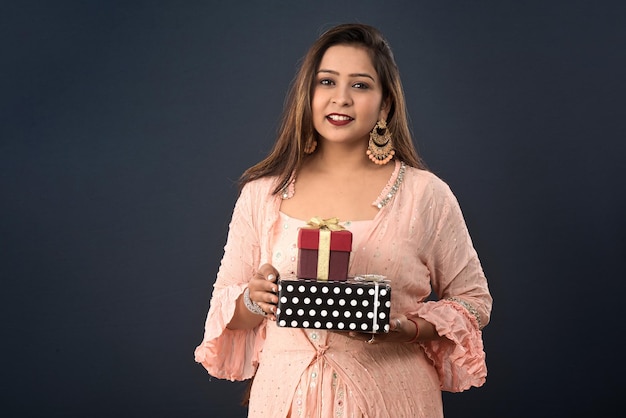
271,277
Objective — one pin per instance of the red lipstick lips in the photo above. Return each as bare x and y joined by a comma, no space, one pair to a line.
339,119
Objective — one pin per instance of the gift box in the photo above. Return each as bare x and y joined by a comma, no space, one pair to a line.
357,304
324,250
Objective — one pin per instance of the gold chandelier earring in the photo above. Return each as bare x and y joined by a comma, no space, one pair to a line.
310,146
380,149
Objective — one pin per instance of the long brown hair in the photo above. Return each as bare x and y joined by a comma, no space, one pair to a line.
296,129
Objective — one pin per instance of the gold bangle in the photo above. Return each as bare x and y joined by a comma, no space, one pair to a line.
417,332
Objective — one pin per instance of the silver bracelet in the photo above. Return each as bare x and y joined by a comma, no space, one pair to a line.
251,305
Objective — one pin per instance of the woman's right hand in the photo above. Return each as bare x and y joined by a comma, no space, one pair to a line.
264,289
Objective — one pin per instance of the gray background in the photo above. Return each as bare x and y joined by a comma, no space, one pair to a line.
125,124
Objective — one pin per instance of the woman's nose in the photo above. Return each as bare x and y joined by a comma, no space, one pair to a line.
342,96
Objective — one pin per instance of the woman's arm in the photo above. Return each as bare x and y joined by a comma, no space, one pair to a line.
262,290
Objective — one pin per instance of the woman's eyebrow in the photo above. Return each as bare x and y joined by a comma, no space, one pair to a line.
351,75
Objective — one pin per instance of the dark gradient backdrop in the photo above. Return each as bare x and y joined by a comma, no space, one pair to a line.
124,125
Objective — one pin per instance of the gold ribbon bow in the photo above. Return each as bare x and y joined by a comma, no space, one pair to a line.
331,224
323,253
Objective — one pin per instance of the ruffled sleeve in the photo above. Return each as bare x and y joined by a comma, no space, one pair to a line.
464,304
459,358
225,353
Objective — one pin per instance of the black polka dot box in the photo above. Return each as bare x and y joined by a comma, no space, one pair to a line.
361,303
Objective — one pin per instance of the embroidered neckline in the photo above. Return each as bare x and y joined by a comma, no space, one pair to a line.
290,189
388,192
392,186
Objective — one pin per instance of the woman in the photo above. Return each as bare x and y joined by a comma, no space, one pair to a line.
344,143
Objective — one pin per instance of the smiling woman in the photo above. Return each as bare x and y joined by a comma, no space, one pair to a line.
344,122
347,99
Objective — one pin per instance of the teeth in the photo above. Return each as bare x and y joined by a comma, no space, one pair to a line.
339,117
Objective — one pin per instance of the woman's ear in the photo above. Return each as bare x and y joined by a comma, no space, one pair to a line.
384,109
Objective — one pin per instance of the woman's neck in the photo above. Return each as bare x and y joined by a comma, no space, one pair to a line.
339,158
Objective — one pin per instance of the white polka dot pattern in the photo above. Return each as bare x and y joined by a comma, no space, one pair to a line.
349,305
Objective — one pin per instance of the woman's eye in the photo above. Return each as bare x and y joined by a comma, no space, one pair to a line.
326,82
361,86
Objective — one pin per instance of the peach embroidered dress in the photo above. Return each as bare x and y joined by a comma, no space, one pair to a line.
419,240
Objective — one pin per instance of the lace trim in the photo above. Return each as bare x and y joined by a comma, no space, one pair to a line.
469,308
289,190
390,190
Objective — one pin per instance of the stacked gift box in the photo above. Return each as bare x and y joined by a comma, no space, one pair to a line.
322,296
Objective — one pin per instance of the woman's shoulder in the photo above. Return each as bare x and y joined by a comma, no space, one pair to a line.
425,181
262,187
429,191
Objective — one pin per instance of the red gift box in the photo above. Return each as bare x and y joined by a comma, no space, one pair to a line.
309,254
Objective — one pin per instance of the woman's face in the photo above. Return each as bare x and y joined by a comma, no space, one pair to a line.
347,98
